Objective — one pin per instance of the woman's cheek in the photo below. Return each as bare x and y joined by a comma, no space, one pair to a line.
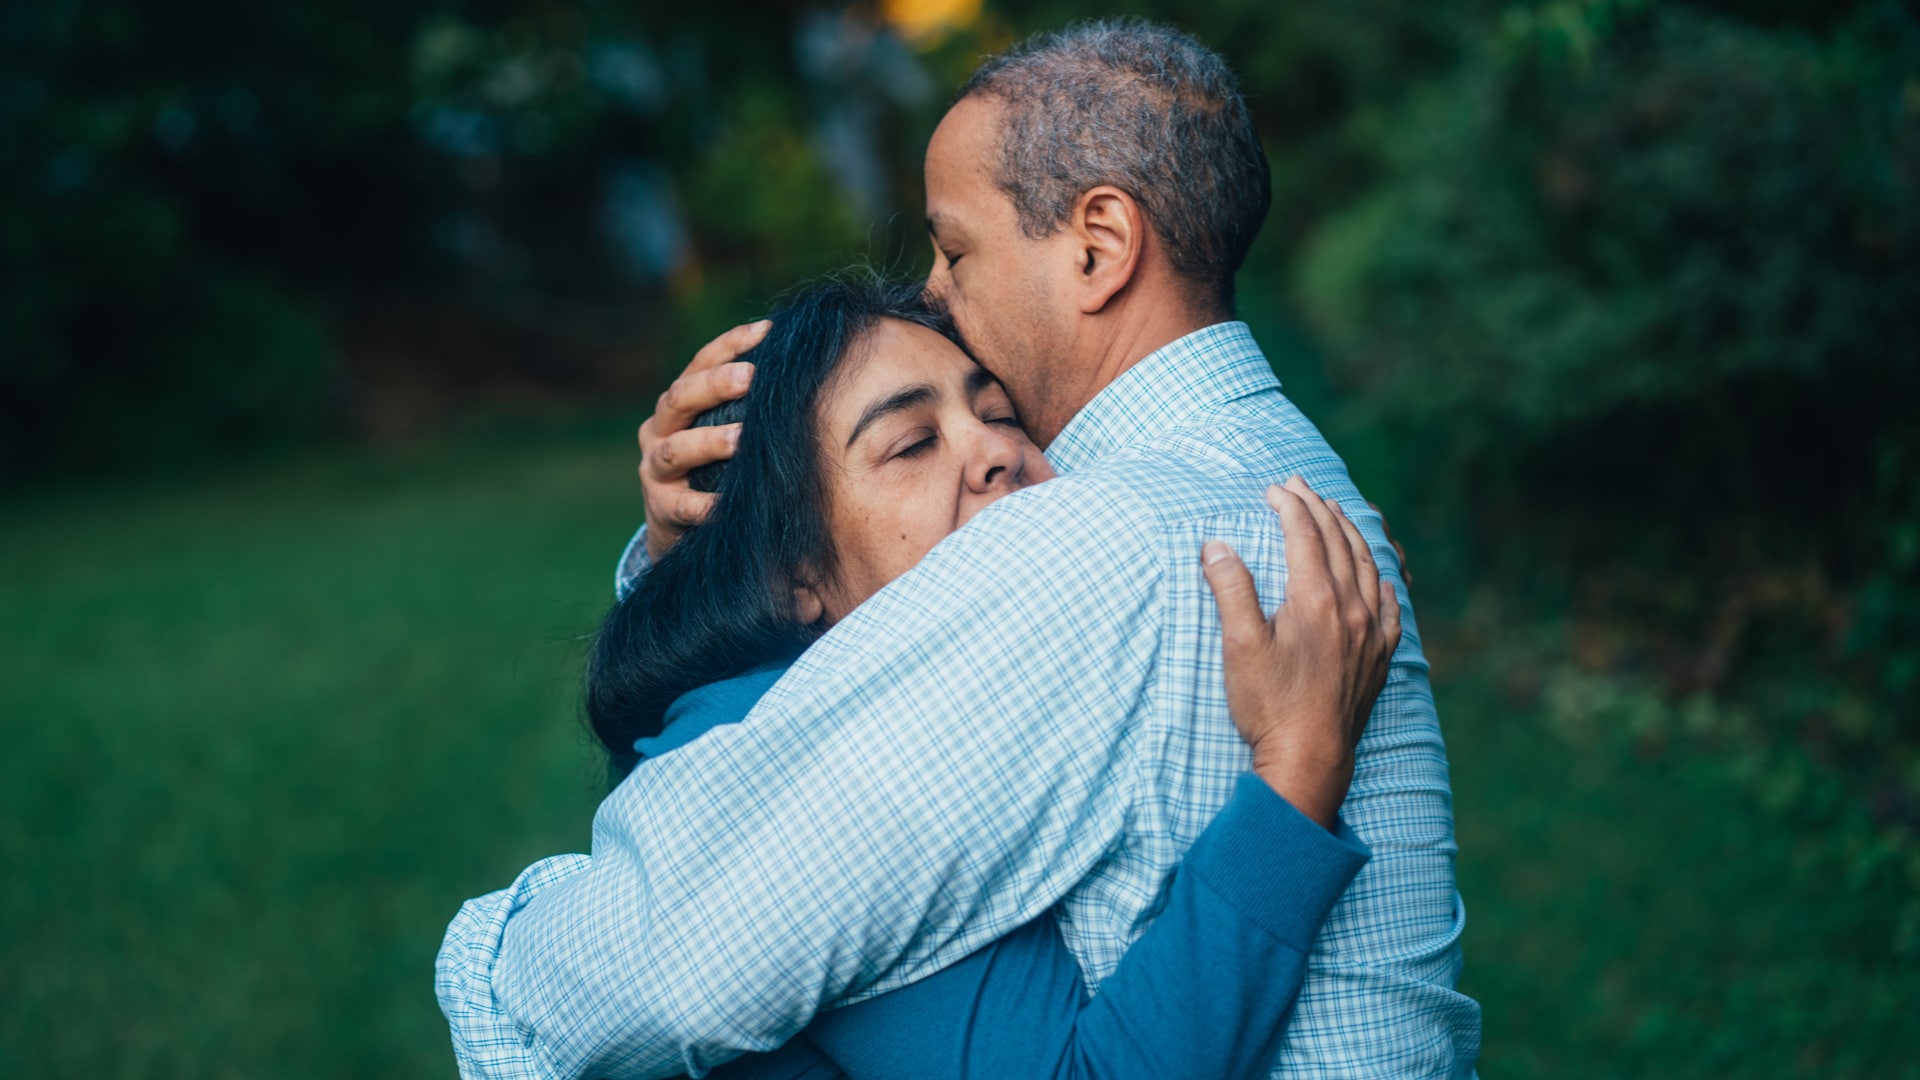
927,519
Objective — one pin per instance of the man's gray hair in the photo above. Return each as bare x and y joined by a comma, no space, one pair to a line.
1148,110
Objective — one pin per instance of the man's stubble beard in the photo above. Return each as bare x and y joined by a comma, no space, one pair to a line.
1026,348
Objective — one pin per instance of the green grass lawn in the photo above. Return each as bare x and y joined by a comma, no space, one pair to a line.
1630,917
265,729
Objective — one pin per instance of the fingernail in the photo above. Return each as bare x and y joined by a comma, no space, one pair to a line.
1214,551
763,326
742,376
1274,491
733,437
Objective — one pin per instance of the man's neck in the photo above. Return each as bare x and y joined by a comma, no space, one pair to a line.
1106,352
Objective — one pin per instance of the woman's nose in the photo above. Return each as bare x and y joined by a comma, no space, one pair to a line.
999,461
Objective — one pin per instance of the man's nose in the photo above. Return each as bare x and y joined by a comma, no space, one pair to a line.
937,281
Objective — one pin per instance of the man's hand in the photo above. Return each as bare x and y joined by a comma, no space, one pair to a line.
1302,684
670,449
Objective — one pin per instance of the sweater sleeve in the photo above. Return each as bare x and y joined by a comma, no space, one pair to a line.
798,1059
1204,993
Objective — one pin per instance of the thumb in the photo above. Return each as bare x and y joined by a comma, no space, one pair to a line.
1233,589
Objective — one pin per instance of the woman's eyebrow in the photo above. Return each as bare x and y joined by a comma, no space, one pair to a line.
897,401
977,380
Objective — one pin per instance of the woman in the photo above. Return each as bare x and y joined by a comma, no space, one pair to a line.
868,436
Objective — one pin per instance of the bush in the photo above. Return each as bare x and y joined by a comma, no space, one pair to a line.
1635,301
1701,211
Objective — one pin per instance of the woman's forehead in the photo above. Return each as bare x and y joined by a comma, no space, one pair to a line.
895,350
896,356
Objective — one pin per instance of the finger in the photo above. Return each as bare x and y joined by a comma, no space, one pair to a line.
1339,554
1364,571
677,455
692,508
692,394
1241,619
1389,614
1307,571
1339,558
728,346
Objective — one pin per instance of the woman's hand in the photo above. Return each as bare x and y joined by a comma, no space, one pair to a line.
1302,684
670,447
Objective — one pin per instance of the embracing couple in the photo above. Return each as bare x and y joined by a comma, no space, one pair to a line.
1046,795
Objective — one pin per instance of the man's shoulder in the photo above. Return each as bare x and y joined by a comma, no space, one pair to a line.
1133,506
1078,520
1128,498
1208,463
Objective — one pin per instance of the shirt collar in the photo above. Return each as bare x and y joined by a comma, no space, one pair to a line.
1181,379
700,710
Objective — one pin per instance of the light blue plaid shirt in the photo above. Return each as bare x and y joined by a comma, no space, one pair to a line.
1034,715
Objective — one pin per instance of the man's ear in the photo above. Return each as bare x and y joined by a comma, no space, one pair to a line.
1109,230
808,607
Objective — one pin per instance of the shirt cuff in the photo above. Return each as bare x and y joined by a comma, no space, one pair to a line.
487,1042
634,564
1275,865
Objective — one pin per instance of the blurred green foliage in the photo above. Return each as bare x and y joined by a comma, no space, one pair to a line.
1631,311
1639,292
196,202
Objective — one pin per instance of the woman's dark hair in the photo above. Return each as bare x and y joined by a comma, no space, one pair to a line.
720,602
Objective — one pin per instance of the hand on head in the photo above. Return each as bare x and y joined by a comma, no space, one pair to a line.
670,447
1302,684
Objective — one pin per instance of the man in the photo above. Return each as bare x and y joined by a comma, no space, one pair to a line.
1035,715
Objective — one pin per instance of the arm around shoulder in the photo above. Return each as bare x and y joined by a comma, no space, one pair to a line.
937,771
486,1040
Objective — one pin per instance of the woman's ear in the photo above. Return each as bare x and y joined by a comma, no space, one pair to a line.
1109,231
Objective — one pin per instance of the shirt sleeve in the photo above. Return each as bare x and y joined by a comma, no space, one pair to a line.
486,1041
937,771
799,1059
1203,994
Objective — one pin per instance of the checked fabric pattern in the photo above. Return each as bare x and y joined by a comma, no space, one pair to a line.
1034,716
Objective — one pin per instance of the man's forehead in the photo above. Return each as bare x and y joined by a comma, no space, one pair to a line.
965,139
947,205
968,119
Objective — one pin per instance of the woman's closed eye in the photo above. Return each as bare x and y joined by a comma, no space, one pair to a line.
916,444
